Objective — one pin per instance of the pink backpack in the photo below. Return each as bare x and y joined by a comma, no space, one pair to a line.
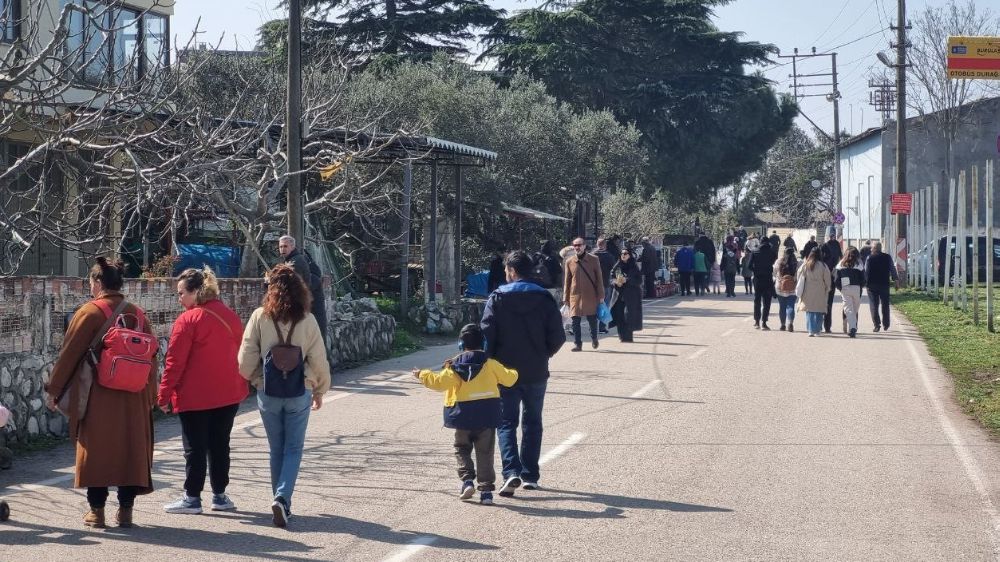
126,358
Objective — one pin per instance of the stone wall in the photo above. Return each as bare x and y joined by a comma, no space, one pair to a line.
34,312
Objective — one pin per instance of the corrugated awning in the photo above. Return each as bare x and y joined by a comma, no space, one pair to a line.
458,148
531,213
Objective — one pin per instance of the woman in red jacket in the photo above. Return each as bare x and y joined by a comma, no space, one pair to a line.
202,384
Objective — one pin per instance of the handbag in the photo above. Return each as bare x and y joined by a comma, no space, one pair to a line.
76,394
800,286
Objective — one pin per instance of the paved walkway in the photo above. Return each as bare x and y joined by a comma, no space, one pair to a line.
704,440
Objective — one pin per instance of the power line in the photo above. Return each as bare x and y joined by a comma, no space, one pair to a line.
833,21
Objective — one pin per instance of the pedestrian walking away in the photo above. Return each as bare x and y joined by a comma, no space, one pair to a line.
785,271
808,248
775,241
700,272
310,273
583,290
705,245
762,265
523,329
832,255
812,288
850,279
496,276
649,265
879,271
284,357
789,243
626,309
730,266
472,407
201,383
684,262
112,428
608,261
747,274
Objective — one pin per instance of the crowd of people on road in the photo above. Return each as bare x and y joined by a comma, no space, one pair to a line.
105,378
105,381
806,281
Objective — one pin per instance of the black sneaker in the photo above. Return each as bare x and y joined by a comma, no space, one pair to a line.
853,333
781,328
764,327
279,510
577,348
877,328
594,344
509,485
756,325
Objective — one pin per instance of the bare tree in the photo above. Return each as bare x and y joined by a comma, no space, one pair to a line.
932,93
111,143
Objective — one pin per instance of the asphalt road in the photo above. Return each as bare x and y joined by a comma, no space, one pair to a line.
703,440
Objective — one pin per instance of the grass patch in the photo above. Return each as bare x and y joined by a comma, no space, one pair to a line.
969,353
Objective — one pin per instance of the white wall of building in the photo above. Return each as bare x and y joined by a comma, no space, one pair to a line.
861,189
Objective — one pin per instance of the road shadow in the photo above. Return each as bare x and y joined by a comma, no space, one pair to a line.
614,506
644,353
629,398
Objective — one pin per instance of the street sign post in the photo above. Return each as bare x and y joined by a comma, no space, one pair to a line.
901,203
974,58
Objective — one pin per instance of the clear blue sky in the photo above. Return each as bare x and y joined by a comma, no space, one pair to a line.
825,24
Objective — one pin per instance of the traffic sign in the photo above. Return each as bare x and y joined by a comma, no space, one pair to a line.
901,203
974,58
839,218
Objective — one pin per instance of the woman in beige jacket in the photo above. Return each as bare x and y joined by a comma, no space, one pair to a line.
815,282
284,394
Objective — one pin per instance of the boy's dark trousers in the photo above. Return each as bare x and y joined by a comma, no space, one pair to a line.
483,442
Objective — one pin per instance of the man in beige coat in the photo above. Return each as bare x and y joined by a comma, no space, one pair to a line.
583,289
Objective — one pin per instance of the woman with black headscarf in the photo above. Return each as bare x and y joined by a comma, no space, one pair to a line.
626,309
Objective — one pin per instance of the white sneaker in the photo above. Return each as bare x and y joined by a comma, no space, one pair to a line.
530,485
509,485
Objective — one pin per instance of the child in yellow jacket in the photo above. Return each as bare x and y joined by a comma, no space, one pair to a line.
472,408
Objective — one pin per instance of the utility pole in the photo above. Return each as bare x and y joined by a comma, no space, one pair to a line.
833,95
901,113
882,98
293,123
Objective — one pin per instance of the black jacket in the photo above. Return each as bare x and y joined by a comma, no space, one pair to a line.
832,254
498,275
704,245
762,261
607,262
808,248
879,270
649,261
523,329
855,275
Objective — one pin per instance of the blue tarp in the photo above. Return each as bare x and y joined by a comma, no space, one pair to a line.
224,260
477,284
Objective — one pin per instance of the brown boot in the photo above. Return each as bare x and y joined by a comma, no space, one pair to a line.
94,518
124,517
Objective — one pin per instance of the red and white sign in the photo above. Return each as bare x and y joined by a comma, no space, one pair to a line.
901,203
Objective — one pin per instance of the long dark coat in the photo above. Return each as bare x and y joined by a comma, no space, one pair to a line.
628,298
114,445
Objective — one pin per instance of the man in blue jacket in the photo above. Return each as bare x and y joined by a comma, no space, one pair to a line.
523,329
684,260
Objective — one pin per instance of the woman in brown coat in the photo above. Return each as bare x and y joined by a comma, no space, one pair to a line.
114,437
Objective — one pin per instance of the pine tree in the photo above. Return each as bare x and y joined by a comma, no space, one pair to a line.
663,65
390,29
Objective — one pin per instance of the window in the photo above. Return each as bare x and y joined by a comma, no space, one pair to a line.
10,20
119,44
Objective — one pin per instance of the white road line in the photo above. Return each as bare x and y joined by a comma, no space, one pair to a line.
728,332
698,353
561,448
972,470
415,546
642,391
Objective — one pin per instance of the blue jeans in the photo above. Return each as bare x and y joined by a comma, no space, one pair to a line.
786,308
285,421
814,322
523,463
